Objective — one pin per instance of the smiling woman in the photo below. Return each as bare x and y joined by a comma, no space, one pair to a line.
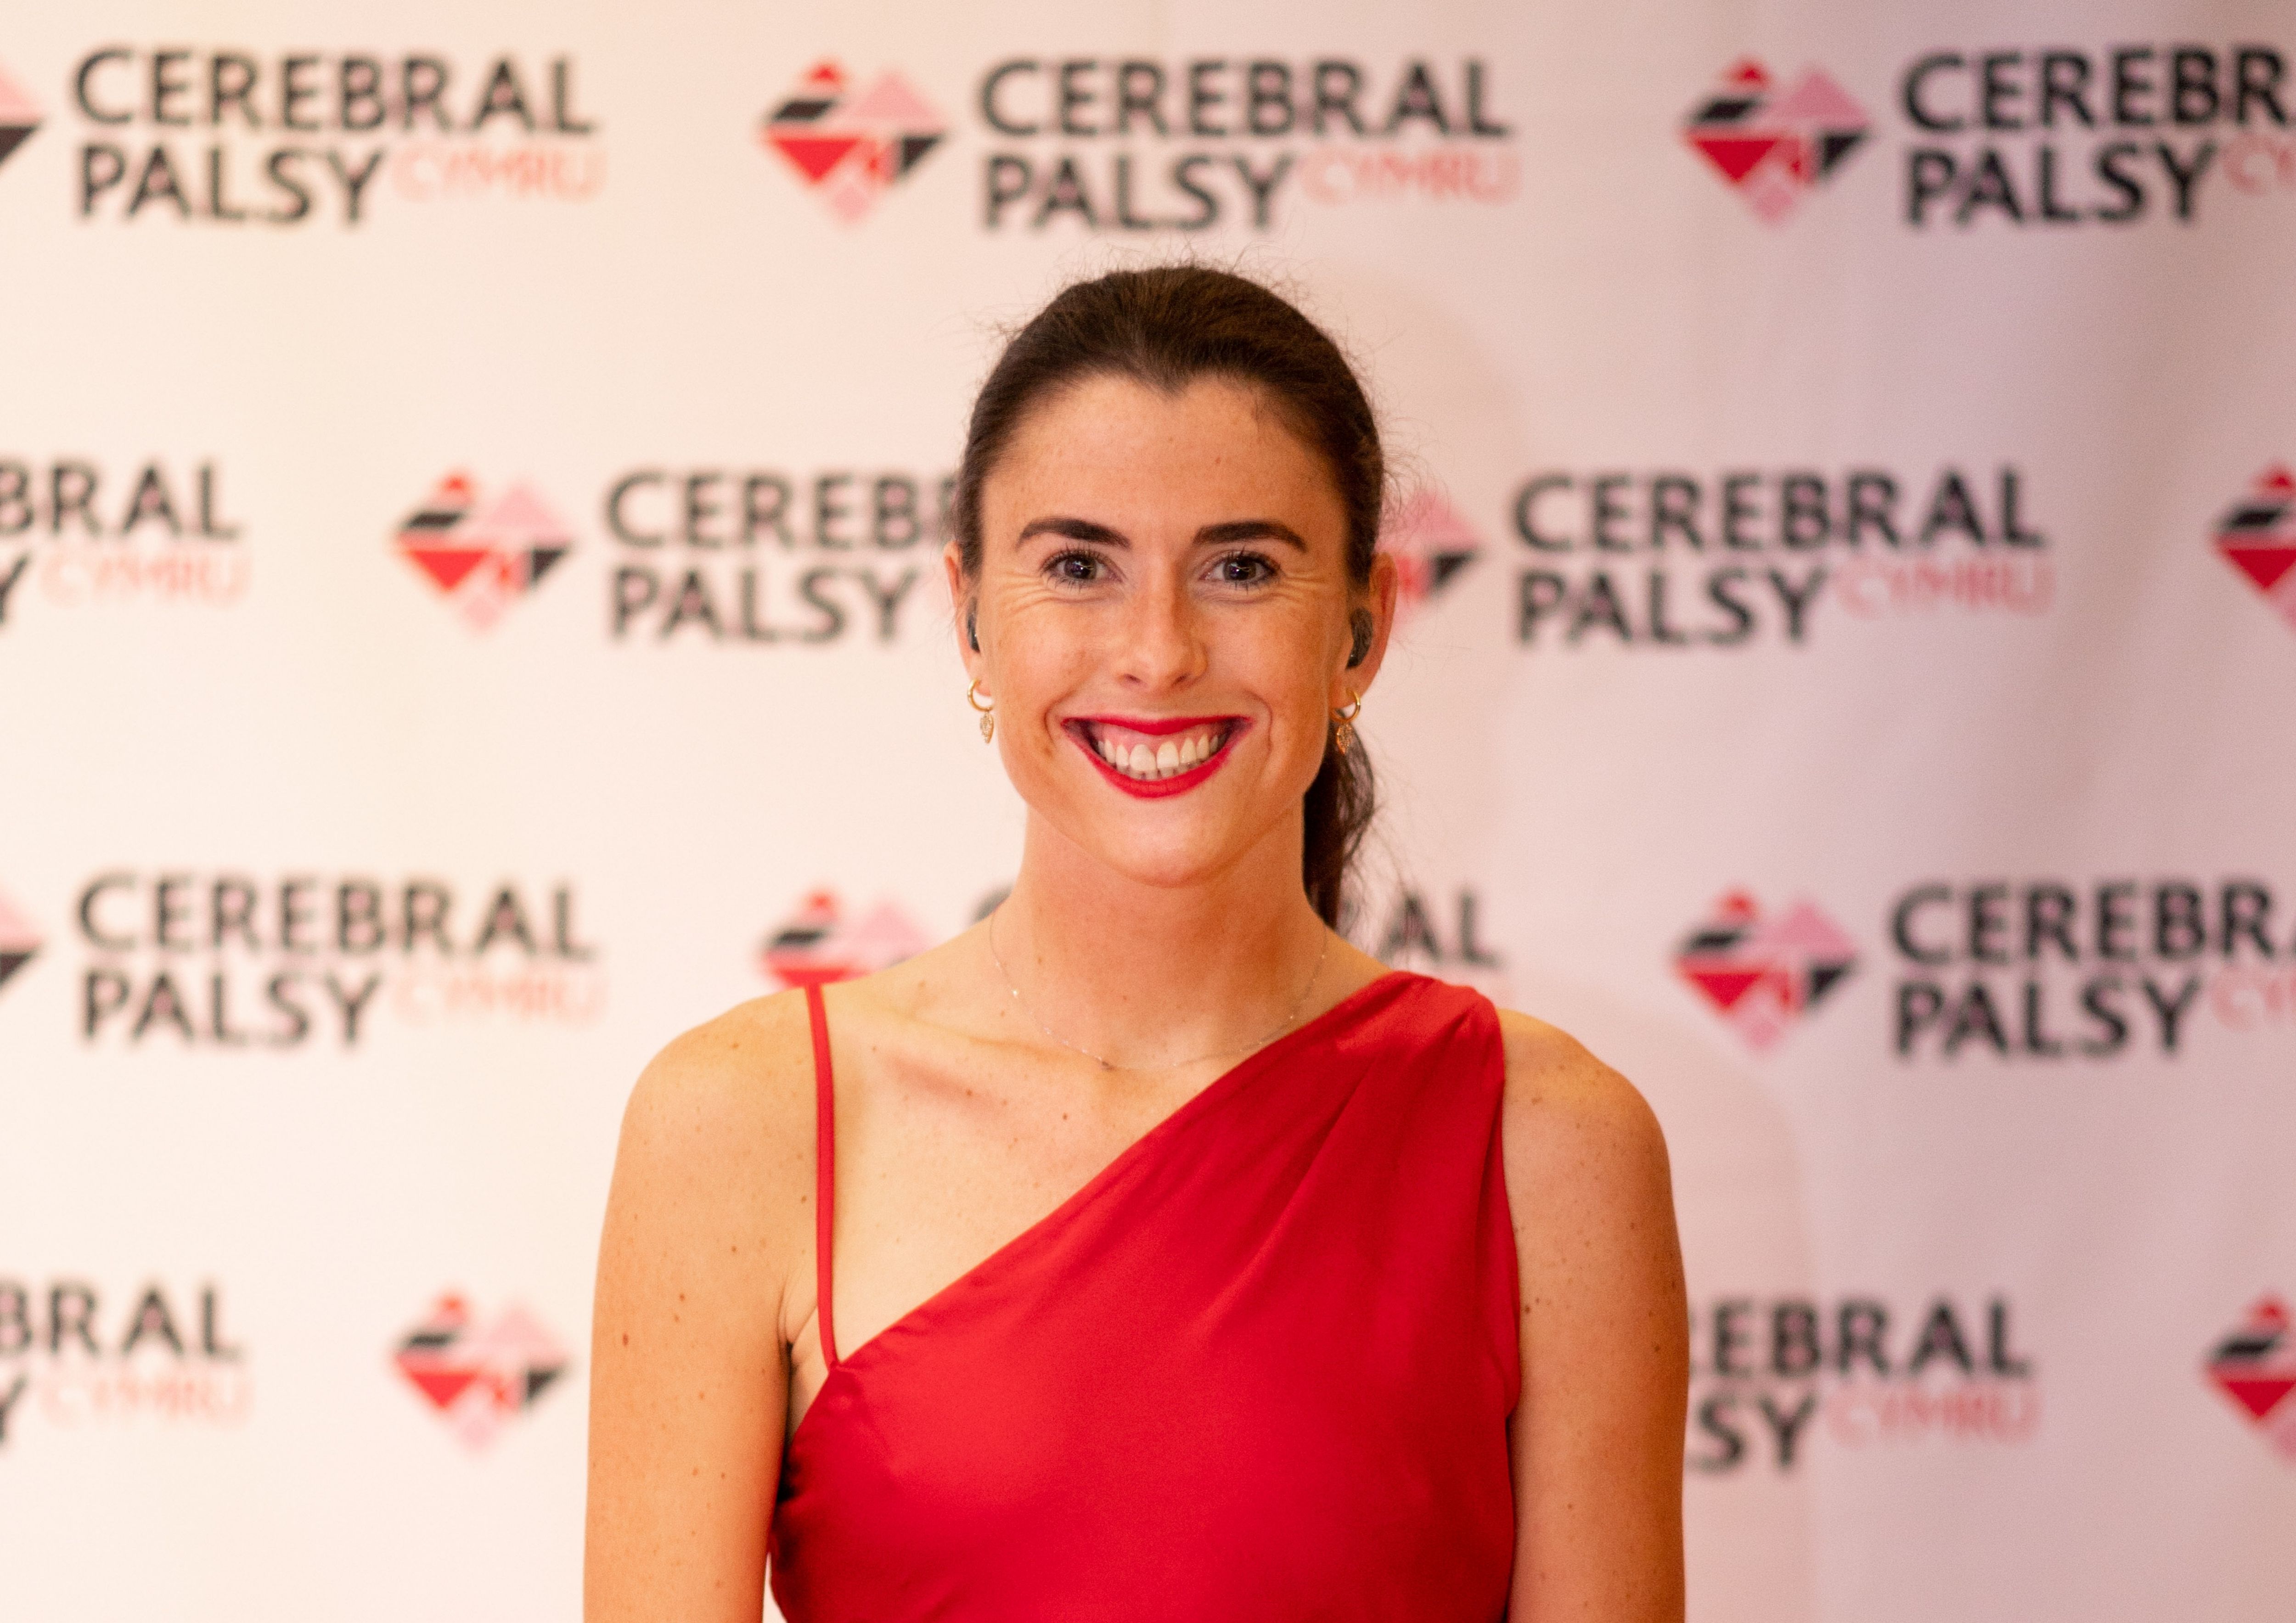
1146,1252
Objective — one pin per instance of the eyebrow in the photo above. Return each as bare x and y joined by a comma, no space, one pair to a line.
1211,535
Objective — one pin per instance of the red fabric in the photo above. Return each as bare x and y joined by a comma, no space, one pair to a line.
1260,1368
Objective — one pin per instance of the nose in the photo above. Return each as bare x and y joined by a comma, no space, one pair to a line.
1161,642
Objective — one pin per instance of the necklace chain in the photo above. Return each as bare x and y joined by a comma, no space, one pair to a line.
1281,1026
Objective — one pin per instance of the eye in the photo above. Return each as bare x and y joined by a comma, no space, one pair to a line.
1243,570
1073,568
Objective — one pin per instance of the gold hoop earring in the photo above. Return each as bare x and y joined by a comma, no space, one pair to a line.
987,711
1343,732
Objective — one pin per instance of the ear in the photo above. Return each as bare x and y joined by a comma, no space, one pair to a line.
1376,606
964,608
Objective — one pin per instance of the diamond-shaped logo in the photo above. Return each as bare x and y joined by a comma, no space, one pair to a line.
2257,538
2255,1366
479,1376
1430,544
818,944
18,941
849,146
1761,974
483,555
1776,146
20,115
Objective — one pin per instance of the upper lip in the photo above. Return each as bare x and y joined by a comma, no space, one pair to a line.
1156,725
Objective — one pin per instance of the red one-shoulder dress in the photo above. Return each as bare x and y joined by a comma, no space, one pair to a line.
1261,1367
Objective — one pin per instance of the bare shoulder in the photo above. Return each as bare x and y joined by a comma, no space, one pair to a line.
745,1068
1574,1128
724,1115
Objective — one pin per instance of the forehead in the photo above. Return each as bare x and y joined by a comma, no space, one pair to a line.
1106,447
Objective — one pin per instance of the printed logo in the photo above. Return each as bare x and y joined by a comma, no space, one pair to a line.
1118,142
20,115
818,944
1669,558
482,556
301,137
1762,976
479,1376
1869,1374
849,148
1775,146
1414,932
18,941
2108,134
2044,970
90,536
760,557
66,1361
2257,538
232,962
2255,1366
1430,544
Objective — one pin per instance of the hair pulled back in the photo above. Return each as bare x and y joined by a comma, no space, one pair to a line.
1165,328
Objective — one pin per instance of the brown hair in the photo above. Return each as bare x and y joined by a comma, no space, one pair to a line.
1165,328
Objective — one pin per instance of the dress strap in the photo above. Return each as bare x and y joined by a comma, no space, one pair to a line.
825,1170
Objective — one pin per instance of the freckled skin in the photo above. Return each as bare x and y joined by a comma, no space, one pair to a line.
1162,931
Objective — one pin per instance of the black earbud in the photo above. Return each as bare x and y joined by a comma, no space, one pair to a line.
972,625
1360,622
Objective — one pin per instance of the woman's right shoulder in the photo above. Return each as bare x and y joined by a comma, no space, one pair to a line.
729,1103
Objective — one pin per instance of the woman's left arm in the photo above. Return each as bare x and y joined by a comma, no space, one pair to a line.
1597,1437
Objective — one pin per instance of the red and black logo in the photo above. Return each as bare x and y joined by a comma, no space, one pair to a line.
850,146
20,115
18,941
2255,1366
2257,538
818,943
483,555
1776,146
1430,544
478,1375
1762,975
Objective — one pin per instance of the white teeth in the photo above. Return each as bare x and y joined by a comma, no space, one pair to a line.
1167,759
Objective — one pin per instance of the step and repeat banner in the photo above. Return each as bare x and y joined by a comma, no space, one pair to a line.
470,484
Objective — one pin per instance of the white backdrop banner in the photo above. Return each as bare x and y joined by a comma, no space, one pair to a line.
471,484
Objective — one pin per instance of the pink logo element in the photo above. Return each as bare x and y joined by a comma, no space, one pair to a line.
1776,147
1430,544
2257,538
479,1376
18,941
818,944
1762,975
20,115
850,147
482,556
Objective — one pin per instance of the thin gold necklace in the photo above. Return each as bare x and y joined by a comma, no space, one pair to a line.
1283,1026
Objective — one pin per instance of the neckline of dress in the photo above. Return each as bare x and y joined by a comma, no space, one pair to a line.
1085,1193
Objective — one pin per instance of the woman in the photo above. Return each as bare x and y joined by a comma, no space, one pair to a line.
1147,1251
